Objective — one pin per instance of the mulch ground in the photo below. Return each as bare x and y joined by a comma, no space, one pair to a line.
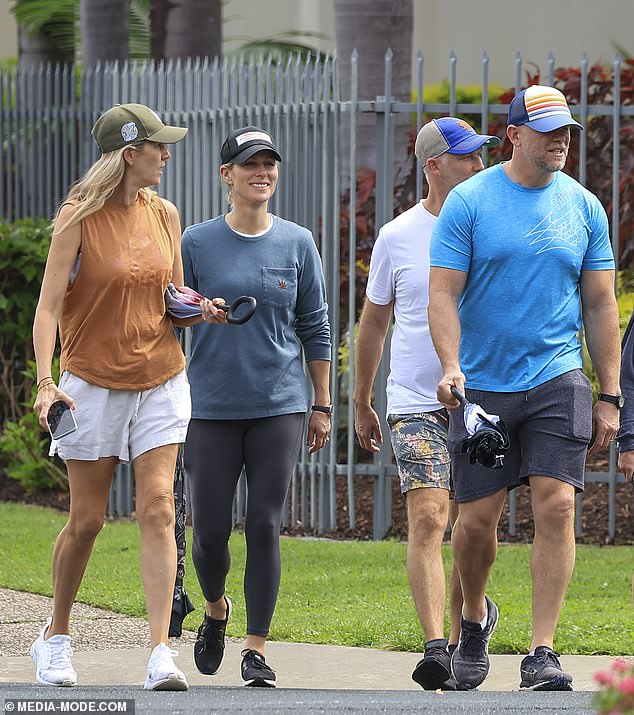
594,510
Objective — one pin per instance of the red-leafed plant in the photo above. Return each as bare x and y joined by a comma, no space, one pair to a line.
599,136
599,169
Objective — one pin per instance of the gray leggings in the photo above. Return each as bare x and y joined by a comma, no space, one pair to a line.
215,452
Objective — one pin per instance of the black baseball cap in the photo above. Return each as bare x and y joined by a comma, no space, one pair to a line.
243,143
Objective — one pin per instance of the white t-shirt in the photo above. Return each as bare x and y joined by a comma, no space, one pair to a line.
399,271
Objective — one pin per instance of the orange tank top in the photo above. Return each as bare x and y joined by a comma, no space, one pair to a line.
114,330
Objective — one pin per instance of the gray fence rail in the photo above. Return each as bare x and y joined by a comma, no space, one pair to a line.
45,144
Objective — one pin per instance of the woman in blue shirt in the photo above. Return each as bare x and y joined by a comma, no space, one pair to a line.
249,396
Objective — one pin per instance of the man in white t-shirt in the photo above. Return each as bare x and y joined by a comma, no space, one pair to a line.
450,151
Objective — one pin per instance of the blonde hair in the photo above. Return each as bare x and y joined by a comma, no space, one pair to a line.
98,184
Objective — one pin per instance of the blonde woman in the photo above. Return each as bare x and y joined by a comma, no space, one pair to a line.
115,247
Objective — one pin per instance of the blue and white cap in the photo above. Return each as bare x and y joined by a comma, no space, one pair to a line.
449,135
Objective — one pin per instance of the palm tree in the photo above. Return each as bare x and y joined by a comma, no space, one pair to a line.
104,30
45,31
186,28
157,28
372,27
117,29
48,29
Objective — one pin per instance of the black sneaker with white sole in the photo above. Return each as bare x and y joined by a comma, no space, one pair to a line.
255,672
543,671
209,648
433,672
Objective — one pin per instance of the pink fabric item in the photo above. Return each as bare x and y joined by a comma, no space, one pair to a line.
182,302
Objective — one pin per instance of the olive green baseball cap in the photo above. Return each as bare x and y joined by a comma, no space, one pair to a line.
126,124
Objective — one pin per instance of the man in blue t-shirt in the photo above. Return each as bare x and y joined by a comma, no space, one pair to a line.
520,262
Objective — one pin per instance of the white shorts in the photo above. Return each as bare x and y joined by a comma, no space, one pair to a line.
124,423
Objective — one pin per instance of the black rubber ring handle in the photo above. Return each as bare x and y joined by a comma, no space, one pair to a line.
247,313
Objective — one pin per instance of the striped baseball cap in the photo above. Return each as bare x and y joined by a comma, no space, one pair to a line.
543,109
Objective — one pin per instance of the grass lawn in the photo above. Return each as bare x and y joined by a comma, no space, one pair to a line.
344,593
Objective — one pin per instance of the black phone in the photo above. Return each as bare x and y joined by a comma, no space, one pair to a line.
61,420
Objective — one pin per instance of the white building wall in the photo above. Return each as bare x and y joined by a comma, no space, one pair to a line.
8,32
502,27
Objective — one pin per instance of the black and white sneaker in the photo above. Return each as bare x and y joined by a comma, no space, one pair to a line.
543,671
433,672
255,672
470,661
209,648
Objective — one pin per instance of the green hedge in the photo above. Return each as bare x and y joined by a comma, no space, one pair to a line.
23,249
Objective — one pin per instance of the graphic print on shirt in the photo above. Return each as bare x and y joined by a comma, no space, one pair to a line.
565,231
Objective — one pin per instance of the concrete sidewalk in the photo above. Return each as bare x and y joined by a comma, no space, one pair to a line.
113,650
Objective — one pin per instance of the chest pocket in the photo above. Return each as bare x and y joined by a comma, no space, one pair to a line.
279,287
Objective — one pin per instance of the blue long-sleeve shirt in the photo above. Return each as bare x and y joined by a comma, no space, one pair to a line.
255,369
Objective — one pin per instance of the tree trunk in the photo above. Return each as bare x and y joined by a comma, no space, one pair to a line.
186,28
105,30
373,26
34,49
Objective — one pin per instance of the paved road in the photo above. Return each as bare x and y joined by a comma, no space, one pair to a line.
289,701
111,653
312,679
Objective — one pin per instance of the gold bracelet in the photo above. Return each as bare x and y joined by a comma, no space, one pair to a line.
41,384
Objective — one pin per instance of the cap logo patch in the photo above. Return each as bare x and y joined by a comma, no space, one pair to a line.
129,132
253,136
467,127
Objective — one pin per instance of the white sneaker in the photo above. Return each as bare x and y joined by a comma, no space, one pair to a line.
162,674
52,659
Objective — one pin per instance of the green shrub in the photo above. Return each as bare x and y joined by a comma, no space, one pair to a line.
24,446
626,305
23,250
465,93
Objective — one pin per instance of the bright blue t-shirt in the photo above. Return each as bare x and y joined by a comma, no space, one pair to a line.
524,250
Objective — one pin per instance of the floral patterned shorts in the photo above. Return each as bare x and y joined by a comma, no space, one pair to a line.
419,442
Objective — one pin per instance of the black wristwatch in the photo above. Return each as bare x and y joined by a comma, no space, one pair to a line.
616,400
326,409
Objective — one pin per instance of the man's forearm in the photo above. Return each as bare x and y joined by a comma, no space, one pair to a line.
444,325
601,326
445,288
369,348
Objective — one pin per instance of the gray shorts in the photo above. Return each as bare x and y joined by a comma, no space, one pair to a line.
419,442
549,427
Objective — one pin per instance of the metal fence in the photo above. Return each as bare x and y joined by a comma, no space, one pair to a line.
45,144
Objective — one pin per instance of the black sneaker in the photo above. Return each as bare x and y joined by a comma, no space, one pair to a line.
209,647
433,672
255,672
542,671
470,661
